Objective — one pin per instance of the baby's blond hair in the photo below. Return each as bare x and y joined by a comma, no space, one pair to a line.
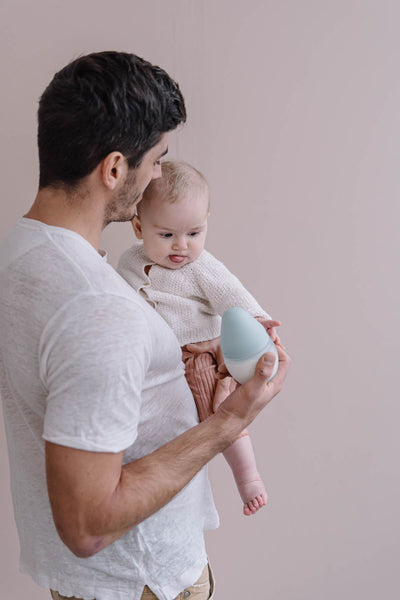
178,180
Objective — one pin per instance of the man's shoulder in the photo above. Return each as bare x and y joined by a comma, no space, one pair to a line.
47,268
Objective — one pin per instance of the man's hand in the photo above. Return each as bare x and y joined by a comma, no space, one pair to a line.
214,348
258,386
250,398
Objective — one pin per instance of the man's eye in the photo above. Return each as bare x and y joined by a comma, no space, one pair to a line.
165,235
157,163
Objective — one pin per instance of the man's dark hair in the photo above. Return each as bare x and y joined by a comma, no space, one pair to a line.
101,103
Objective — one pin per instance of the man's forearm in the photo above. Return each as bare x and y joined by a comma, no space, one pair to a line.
154,480
95,499
94,504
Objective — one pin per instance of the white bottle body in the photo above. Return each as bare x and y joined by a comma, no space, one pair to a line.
243,370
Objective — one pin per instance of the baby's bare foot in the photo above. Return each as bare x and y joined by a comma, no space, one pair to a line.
252,507
253,495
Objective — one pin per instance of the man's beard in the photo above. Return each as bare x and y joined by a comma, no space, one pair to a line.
122,207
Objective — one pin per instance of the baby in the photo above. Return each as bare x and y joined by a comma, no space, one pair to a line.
191,289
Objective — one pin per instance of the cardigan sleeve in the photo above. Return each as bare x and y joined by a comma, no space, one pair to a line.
223,289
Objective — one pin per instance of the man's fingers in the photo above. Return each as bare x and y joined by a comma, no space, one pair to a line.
266,364
211,346
278,342
196,348
268,322
214,348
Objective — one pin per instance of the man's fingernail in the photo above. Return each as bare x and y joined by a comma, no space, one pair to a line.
268,360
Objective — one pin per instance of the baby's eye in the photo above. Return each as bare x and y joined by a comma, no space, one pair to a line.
165,235
194,233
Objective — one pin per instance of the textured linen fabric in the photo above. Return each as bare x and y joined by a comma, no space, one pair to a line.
191,299
86,363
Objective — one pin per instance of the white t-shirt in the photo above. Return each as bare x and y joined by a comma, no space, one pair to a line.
86,363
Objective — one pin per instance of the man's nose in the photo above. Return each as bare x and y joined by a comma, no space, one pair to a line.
157,171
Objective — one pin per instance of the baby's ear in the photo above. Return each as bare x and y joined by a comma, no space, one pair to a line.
137,227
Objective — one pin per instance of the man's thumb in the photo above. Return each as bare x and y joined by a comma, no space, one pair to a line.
265,365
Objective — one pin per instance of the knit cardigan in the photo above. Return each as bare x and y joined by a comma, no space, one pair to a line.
191,299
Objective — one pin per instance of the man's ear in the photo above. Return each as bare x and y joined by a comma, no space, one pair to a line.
137,227
113,170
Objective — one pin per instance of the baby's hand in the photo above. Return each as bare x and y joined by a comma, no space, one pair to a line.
270,329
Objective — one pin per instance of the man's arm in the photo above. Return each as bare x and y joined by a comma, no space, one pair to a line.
95,499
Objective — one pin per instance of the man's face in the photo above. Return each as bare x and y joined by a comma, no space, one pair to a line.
122,206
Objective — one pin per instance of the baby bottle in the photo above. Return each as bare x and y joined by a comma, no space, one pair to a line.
243,341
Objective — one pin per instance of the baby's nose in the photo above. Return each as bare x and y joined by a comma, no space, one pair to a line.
179,243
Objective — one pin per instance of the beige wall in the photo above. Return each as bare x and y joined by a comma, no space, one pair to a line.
294,118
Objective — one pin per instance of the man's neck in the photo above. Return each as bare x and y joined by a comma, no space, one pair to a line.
75,211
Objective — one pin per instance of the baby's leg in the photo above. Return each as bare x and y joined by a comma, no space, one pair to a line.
241,459
208,392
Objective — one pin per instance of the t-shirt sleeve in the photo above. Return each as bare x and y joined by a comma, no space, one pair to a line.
94,355
224,290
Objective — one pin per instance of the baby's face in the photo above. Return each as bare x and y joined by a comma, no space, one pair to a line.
174,233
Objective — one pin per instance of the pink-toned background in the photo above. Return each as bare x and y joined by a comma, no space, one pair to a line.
294,117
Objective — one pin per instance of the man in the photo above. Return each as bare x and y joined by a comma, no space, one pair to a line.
107,458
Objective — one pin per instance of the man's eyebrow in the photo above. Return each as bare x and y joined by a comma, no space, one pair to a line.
164,153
